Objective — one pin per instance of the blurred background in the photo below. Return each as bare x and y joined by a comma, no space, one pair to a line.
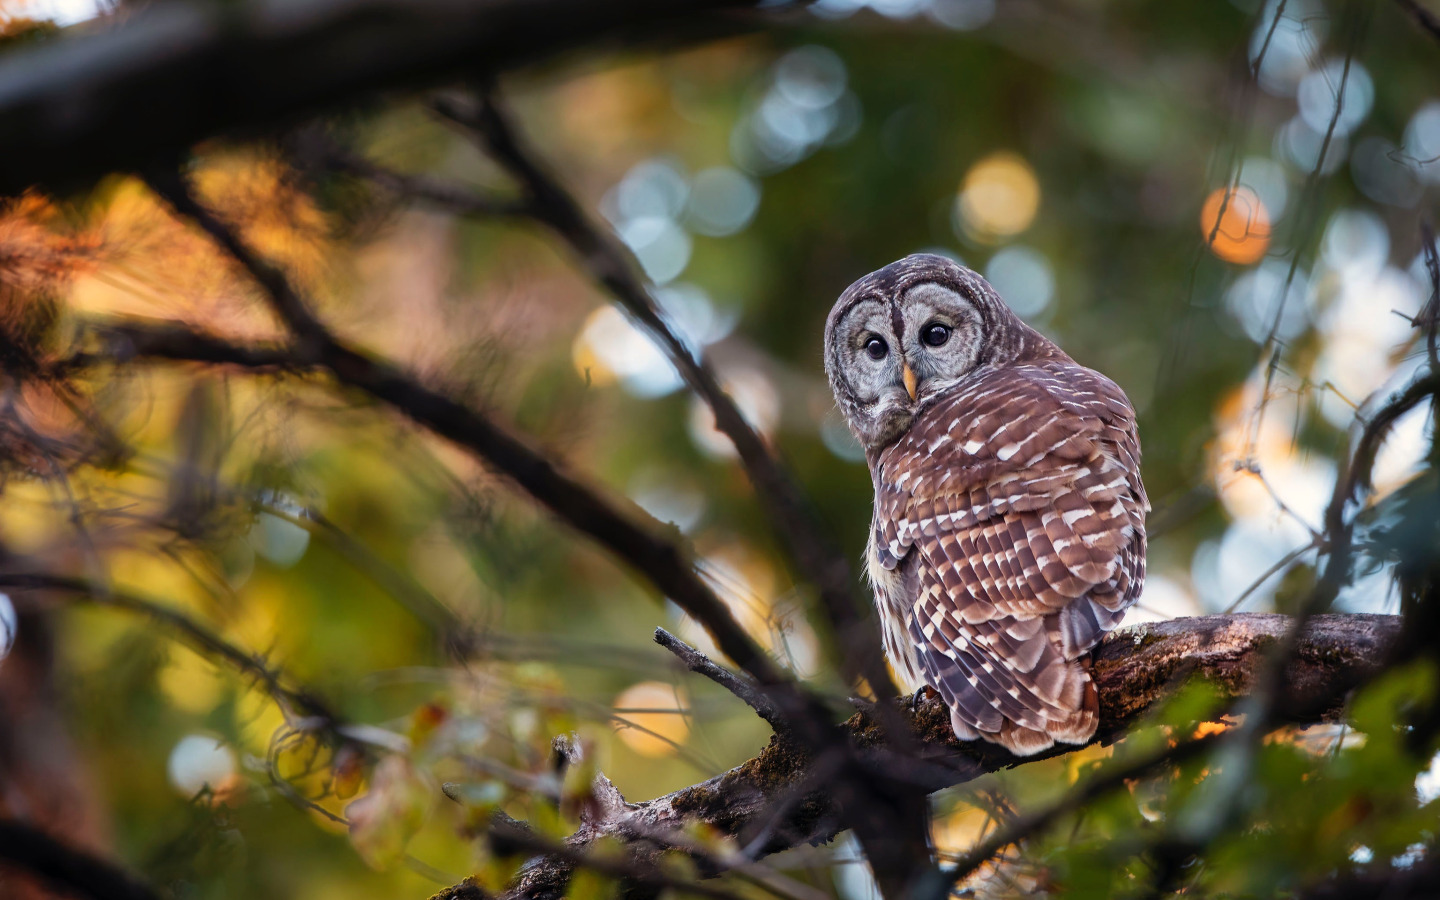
1077,153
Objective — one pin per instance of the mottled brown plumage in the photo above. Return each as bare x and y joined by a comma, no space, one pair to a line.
1009,528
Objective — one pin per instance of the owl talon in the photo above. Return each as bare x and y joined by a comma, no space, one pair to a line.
920,696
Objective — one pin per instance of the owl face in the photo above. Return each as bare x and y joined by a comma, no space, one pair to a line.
902,336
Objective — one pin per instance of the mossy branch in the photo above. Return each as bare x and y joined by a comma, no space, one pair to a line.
1134,669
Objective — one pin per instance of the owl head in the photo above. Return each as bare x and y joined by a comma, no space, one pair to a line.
904,336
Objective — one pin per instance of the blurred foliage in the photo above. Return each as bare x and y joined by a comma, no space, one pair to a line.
1076,152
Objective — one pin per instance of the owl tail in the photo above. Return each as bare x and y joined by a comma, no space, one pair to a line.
1069,715
1076,728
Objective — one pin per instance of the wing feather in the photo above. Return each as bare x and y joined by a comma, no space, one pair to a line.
1017,508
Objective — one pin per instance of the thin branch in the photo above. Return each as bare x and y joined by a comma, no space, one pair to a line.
67,868
1027,825
509,838
608,263
282,296
633,538
199,638
701,664
1280,565
1423,17
436,192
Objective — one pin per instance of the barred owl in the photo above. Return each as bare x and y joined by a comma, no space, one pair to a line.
1009,525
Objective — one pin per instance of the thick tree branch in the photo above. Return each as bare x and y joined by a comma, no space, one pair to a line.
66,868
122,95
1134,669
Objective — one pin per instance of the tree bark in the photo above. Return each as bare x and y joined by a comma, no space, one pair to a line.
1134,669
125,94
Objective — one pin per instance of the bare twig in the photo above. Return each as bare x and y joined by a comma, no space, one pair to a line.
282,296
701,664
433,191
300,702
510,838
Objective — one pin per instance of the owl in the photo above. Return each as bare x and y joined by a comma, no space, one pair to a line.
1009,519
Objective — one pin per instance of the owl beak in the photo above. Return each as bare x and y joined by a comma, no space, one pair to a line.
908,375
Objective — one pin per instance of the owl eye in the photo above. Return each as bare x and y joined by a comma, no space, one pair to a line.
935,334
876,347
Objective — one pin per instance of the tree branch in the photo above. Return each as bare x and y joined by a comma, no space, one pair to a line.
124,94
633,538
1423,17
1134,669
64,867
199,638
611,265
701,664
442,194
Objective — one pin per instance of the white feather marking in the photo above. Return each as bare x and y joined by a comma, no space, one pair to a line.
1076,515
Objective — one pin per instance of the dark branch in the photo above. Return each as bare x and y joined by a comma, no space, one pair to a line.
609,264
1422,16
287,303
1134,670
125,94
66,868
435,192
701,664
629,537
199,638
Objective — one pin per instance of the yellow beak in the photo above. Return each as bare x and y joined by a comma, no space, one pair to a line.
908,374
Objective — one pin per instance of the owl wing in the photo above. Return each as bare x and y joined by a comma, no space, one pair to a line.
1017,510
